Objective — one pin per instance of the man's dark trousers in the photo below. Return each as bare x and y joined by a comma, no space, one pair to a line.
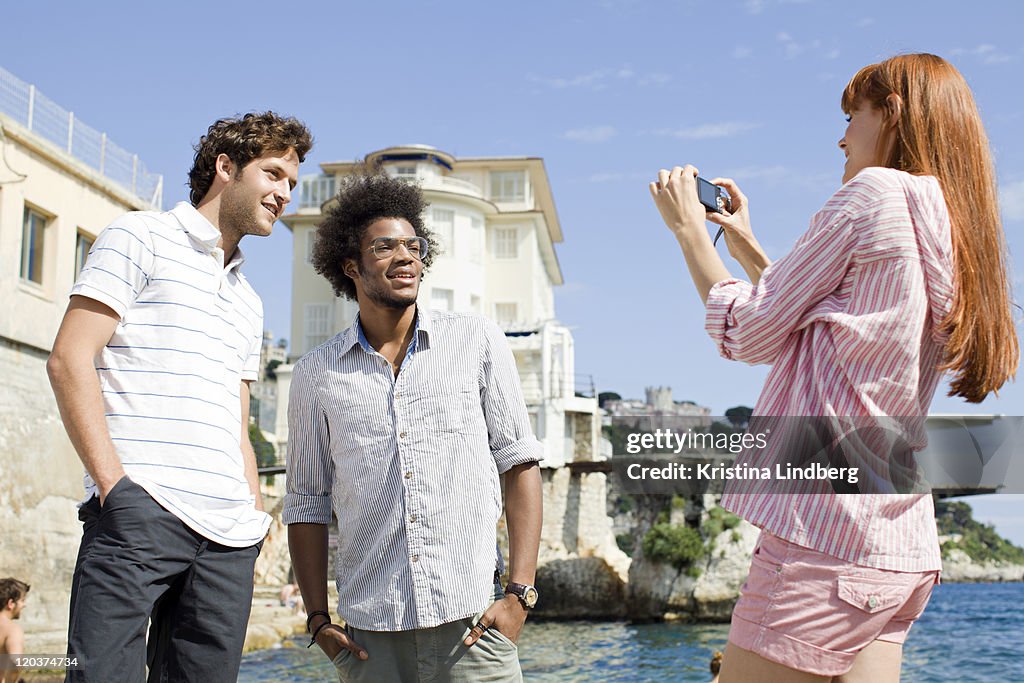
137,560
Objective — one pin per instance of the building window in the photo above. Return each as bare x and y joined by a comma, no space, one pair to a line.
474,304
443,221
315,190
506,312
310,241
506,243
476,240
317,323
442,299
83,244
508,186
405,171
33,235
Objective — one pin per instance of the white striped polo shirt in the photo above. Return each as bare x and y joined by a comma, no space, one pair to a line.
409,465
170,376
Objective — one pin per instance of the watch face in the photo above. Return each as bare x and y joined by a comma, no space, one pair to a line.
530,597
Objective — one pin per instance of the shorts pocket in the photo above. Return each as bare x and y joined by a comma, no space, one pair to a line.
500,637
114,494
339,659
771,553
870,595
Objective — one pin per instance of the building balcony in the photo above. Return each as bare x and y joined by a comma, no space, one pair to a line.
314,190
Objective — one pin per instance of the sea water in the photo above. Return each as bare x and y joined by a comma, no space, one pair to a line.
970,632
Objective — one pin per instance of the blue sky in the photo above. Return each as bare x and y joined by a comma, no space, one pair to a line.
606,92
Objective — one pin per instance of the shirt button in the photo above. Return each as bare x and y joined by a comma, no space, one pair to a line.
402,435
872,602
415,558
408,475
412,518
398,394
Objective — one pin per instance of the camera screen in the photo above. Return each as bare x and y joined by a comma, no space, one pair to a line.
707,193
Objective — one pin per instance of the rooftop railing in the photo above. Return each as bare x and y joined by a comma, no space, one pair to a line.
44,117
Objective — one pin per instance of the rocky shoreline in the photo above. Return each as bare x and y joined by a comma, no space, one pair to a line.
705,587
957,567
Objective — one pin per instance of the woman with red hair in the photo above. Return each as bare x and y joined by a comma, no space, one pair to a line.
901,277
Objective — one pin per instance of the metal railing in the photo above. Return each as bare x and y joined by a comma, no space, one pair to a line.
44,117
558,387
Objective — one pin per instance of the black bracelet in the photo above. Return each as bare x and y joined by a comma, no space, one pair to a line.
314,613
319,628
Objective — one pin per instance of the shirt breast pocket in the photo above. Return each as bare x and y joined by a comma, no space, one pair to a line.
451,410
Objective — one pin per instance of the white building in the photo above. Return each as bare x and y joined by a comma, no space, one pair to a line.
496,222
263,403
61,182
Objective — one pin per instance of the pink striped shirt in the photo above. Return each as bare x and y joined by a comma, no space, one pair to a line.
848,322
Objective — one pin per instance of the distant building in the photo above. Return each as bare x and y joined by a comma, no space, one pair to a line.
263,396
496,222
61,182
658,402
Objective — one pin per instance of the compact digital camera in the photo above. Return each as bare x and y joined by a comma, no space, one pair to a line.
713,197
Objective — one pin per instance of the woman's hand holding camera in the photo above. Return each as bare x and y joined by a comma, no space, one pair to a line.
675,195
739,238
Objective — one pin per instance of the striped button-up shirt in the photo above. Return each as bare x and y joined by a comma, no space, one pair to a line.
848,320
409,465
189,333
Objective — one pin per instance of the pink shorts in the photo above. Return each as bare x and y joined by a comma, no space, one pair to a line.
814,612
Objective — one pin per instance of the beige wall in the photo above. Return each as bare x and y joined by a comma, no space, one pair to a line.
40,474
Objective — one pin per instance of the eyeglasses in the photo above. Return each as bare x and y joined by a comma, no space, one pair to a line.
385,247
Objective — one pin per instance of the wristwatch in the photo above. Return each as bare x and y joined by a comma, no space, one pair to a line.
527,594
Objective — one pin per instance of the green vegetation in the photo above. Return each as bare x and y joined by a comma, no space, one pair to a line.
626,543
681,545
674,544
271,371
719,520
264,449
979,541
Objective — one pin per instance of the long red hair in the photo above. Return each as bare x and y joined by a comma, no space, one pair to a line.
939,133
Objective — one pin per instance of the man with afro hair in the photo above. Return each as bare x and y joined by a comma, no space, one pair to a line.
402,427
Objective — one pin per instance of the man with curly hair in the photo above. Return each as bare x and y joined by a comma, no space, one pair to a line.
151,370
402,427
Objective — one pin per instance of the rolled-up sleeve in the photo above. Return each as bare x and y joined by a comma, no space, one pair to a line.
310,468
752,323
511,440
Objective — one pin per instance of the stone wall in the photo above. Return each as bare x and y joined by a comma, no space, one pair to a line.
581,573
40,486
